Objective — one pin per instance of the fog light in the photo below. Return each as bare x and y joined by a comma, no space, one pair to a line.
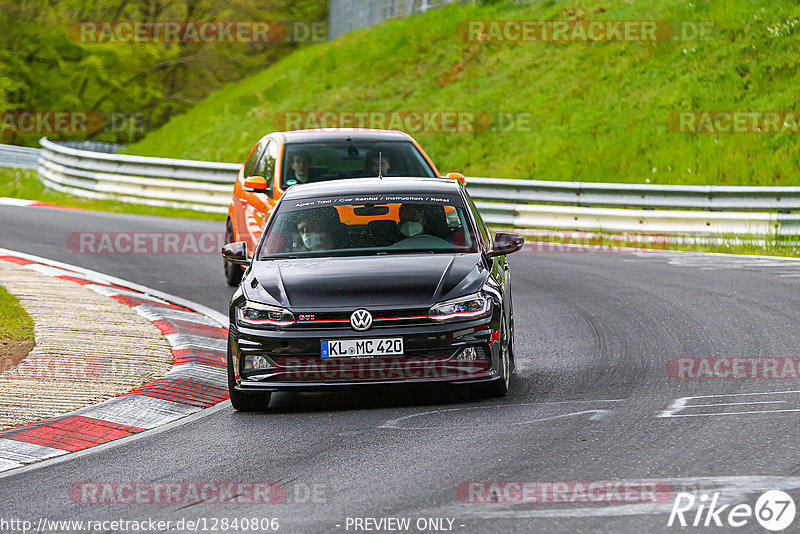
468,353
255,362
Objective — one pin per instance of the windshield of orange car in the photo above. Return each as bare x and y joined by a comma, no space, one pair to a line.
374,224
318,162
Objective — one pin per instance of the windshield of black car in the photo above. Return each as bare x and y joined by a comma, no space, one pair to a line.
366,225
319,162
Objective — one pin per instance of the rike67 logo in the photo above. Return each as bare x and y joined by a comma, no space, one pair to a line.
774,510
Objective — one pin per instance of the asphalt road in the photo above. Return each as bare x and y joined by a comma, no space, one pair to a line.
594,334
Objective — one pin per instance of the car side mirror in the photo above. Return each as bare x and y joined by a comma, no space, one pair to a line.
255,184
457,176
236,253
505,243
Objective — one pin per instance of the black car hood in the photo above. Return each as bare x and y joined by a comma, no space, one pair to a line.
365,281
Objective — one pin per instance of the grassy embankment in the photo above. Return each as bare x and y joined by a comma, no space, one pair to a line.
600,109
16,331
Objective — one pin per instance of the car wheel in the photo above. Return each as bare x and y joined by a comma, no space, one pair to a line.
512,353
233,273
245,402
499,388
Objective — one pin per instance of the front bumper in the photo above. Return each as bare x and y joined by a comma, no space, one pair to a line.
432,353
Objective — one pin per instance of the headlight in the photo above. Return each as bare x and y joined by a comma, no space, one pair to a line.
255,314
462,309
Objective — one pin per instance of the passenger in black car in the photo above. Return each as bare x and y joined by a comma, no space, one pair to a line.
321,229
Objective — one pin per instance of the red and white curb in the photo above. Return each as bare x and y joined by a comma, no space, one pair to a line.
21,202
198,379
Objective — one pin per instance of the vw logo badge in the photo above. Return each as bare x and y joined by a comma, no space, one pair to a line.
361,320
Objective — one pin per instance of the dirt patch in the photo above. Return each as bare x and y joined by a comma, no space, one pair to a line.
13,351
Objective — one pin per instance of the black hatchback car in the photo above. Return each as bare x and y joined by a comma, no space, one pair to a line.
371,281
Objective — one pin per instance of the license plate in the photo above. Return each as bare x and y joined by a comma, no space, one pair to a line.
362,348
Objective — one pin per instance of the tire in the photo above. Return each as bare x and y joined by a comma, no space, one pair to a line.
246,402
499,388
233,273
512,353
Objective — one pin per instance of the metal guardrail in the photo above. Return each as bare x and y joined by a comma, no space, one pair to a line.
643,196
18,157
198,185
94,146
635,221
690,210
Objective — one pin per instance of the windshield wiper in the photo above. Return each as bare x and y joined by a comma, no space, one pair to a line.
410,251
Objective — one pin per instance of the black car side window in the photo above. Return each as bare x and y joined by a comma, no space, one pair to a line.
486,236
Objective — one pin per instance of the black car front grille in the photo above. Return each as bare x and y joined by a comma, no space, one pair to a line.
380,319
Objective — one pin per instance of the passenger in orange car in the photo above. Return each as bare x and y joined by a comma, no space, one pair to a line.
300,165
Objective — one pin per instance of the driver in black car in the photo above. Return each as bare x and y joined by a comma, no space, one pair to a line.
423,227
412,220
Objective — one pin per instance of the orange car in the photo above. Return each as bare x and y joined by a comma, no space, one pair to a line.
282,159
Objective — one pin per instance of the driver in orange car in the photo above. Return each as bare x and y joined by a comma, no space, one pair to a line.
371,163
